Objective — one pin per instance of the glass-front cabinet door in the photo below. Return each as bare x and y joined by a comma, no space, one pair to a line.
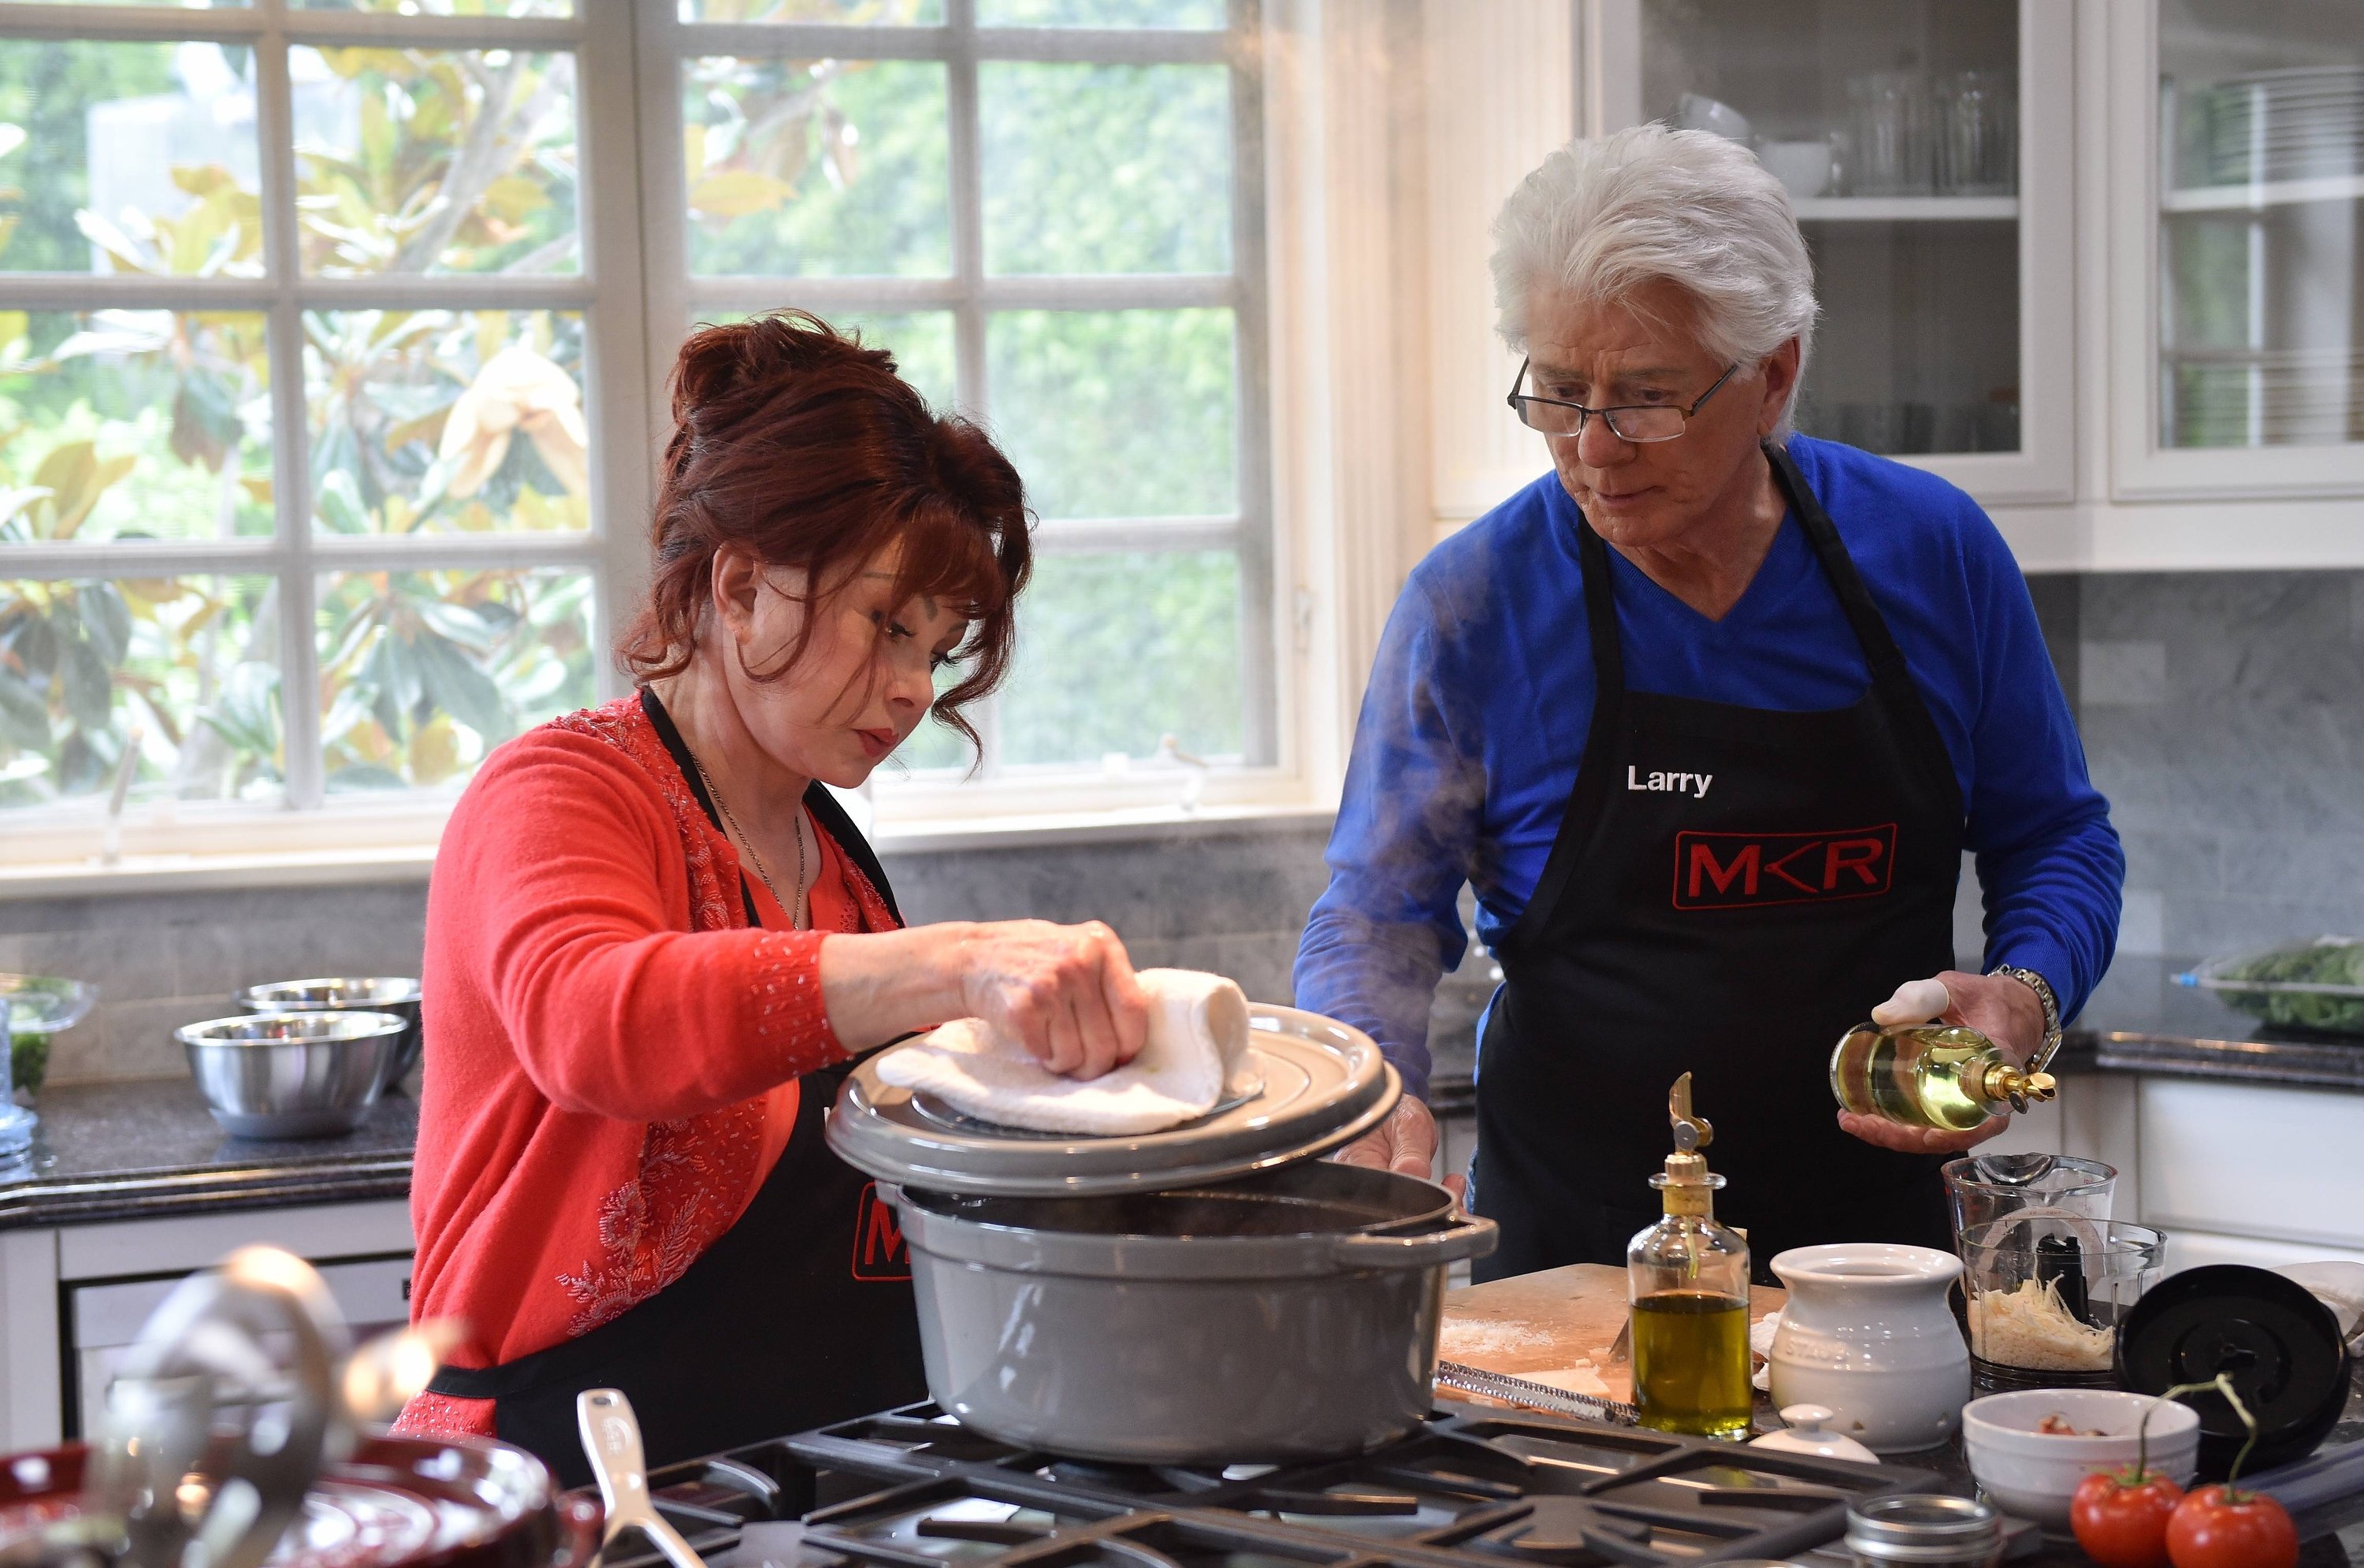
2249,121
1900,129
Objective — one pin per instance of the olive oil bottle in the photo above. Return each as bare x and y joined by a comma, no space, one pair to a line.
1940,1076
1687,1280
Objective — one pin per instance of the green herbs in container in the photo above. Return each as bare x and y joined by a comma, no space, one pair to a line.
2316,986
38,1006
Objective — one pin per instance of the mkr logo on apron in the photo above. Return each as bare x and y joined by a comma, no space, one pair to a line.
880,1253
1742,871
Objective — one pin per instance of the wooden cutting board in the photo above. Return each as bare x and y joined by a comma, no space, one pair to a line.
1552,1321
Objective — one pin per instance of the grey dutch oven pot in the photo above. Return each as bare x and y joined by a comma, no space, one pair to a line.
1288,1315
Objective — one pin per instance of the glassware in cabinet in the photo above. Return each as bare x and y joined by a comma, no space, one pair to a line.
2260,328
1910,208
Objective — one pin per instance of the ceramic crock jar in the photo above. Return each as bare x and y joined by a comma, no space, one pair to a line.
1868,1331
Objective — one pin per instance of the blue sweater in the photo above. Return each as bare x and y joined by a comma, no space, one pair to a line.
1474,726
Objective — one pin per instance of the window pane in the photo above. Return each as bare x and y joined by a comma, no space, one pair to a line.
128,157
134,423
443,421
429,161
1110,414
422,672
446,7
816,168
921,343
1100,13
869,12
182,667
1116,651
1134,160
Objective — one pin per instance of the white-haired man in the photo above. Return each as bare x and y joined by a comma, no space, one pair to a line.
1707,717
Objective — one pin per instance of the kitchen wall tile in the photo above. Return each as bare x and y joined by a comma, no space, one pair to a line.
130,965
2240,790
2142,923
1232,903
2184,861
139,1042
78,1055
2121,675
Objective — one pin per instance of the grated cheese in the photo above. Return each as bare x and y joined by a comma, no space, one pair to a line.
2031,1327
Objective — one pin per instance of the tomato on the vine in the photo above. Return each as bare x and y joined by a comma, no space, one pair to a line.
2219,1528
2120,1516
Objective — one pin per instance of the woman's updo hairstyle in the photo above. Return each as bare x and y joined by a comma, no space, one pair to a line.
794,441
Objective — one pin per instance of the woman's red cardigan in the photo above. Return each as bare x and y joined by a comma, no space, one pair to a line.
611,1051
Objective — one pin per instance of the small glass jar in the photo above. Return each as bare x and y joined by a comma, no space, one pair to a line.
1927,1529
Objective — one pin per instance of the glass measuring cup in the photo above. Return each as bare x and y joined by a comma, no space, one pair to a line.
2046,1290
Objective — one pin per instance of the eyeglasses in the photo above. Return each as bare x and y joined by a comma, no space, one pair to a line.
1635,422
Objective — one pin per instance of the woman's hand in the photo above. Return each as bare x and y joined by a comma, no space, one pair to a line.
1066,993
2001,1008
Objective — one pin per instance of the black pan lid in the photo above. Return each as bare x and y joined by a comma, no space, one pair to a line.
2279,1344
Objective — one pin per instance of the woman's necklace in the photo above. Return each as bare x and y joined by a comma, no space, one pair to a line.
796,915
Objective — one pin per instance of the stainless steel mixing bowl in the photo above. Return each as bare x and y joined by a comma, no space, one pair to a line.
383,994
292,1075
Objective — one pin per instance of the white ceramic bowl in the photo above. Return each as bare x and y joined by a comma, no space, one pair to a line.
2034,1473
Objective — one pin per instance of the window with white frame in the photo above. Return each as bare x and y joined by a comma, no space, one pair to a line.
1052,212
327,332
299,494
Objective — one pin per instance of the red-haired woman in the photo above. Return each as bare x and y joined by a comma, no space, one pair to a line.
653,939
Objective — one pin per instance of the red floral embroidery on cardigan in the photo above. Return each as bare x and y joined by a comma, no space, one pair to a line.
693,1174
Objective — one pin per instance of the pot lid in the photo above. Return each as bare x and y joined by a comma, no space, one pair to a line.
1323,1084
2279,1345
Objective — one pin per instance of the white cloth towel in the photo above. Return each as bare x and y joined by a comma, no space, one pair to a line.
1195,1052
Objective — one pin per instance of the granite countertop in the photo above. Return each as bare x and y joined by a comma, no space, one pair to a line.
2137,1020
151,1148
2140,1020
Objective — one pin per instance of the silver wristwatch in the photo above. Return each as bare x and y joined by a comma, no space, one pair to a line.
2043,989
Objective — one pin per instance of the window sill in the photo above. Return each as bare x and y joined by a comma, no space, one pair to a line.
149,874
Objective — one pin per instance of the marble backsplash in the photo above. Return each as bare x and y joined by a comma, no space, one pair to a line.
2223,714
1231,902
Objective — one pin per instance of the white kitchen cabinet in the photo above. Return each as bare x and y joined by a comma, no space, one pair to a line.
72,1298
1941,251
2231,1172
2170,304
2237,194
2280,1169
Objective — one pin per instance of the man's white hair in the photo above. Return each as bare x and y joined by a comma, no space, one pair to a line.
1602,217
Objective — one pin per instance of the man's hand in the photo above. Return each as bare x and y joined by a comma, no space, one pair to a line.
1998,1007
1405,1143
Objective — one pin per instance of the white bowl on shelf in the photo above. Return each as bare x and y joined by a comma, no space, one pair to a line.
1802,167
2033,1474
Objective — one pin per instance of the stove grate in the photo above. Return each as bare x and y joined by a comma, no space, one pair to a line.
1470,1488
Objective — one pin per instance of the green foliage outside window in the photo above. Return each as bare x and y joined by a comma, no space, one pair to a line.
122,425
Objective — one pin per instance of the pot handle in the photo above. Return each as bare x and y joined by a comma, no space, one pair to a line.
1465,1235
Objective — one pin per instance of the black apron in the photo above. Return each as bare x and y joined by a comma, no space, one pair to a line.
800,1314
1730,888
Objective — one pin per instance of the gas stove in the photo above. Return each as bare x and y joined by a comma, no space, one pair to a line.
1470,1488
